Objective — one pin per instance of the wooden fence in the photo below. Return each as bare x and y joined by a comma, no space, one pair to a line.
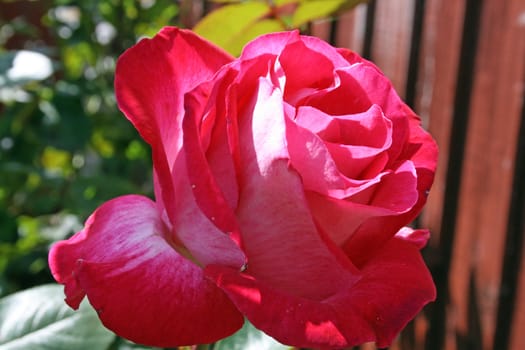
461,65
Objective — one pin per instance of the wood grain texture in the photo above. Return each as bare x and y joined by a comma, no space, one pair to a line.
486,185
391,40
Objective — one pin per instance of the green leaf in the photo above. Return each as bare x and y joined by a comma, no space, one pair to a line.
223,25
39,319
249,337
254,30
310,10
226,1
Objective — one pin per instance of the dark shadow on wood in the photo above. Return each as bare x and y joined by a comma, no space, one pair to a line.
415,49
437,330
333,31
513,245
471,340
369,29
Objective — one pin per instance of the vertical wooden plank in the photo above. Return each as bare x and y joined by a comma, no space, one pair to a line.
321,29
351,29
435,98
511,310
488,168
191,12
391,40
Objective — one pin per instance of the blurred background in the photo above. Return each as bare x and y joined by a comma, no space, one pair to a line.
65,148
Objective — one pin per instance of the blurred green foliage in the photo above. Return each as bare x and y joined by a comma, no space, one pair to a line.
64,146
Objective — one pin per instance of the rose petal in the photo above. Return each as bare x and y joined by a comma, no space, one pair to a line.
150,82
392,194
275,43
214,123
358,162
417,237
393,287
295,52
293,60
368,86
379,90
141,287
208,195
341,218
350,56
345,97
277,228
357,142
370,128
312,159
199,233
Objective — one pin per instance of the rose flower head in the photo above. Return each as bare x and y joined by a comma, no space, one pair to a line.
283,180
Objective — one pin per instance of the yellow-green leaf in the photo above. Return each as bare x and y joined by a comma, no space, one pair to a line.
285,2
254,30
310,10
56,160
223,25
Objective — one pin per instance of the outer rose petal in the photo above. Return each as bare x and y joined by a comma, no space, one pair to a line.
150,82
393,288
141,287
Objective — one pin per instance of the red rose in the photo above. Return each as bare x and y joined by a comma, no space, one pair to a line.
283,182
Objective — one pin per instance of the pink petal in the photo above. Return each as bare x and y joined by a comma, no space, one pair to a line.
272,43
390,195
397,190
359,87
350,56
141,287
358,162
345,97
358,143
370,128
214,129
277,228
296,53
210,136
210,239
393,287
417,237
293,60
275,43
208,191
312,159
341,218
150,82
